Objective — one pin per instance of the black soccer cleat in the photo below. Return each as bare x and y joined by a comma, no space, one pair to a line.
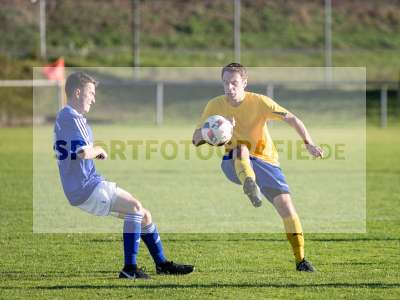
133,272
252,191
169,267
305,266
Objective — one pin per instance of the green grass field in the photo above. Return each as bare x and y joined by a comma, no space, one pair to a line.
182,204
251,266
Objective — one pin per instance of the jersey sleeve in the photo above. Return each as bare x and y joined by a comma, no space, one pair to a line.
75,133
272,110
209,110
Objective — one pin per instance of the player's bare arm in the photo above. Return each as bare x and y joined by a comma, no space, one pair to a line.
301,129
92,153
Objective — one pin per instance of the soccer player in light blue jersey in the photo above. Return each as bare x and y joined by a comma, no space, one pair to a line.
87,190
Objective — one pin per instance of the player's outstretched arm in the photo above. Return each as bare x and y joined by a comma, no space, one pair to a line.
197,139
301,129
92,153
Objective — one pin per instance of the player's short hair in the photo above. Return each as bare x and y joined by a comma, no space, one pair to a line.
235,67
77,80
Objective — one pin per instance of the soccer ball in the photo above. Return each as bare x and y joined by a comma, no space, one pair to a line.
217,130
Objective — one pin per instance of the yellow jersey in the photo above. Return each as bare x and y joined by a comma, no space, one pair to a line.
251,118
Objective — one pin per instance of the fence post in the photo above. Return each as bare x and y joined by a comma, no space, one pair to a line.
135,7
42,28
328,41
160,103
397,110
270,90
384,106
236,30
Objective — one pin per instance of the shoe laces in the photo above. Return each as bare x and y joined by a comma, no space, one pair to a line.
140,272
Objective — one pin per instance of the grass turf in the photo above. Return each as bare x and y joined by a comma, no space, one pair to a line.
232,266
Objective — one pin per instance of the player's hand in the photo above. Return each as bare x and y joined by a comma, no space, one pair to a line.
102,153
315,151
198,138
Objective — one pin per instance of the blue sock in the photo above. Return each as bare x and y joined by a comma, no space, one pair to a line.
152,240
132,230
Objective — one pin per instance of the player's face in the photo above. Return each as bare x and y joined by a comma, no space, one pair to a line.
234,86
87,97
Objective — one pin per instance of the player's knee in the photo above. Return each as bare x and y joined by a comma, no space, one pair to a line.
285,199
282,200
284,205
147,218
241,152
244,151
136,208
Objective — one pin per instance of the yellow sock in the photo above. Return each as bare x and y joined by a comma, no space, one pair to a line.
294,234
243,169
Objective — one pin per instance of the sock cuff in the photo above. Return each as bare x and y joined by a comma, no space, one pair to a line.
137,218
292,217
149,228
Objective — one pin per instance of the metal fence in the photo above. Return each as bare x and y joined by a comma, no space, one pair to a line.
156,103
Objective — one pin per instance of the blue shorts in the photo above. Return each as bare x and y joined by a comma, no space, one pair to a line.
269,178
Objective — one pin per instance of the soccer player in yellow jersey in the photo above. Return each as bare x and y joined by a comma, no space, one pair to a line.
251,158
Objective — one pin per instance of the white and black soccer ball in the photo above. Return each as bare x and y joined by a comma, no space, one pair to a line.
217,130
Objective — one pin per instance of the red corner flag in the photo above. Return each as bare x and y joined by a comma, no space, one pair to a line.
55,70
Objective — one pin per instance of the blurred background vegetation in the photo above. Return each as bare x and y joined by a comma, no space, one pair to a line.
198,33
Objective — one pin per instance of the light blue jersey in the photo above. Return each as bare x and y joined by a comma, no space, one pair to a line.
78,176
